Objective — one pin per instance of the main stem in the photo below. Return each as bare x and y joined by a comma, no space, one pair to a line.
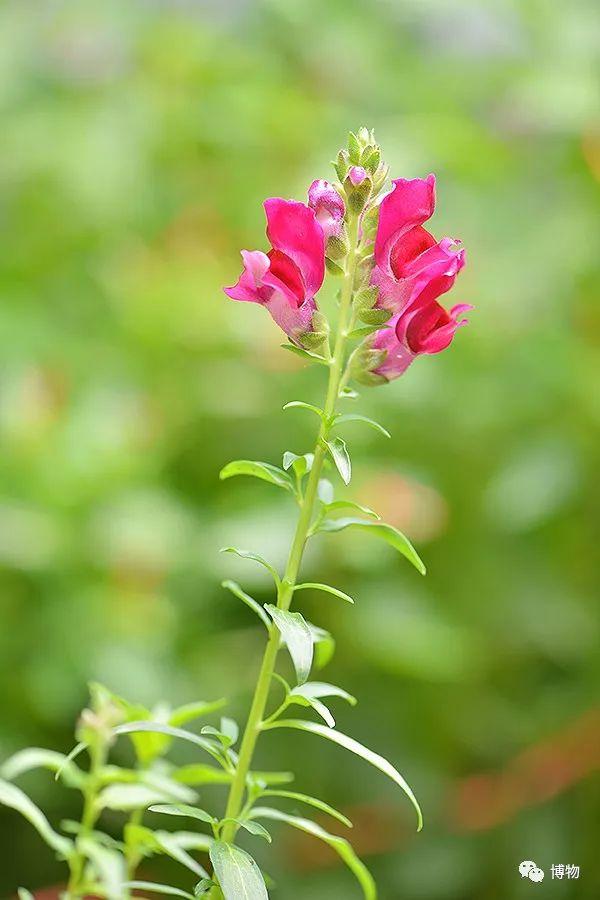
288,584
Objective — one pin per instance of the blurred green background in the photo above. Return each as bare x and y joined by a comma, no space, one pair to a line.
137,143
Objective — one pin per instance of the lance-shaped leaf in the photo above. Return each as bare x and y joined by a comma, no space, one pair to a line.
182,809
300,404
154,888
253,604
127,797
262,470
198,773
189,711
204,743
238,875
354,417
15,798
319,689
297,637
247,554
339,453
309,694
379,762
350,504
326,588
172,847
249,826
109,867
309,801
339,844
38,758
380,530
231,728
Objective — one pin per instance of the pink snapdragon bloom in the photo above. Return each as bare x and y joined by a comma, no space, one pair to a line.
285,279
329,207
422,327
407,256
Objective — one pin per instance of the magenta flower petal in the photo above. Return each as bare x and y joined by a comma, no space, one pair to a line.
328,206
293,229
410,203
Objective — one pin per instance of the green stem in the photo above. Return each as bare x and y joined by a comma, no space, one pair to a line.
286,590
88,820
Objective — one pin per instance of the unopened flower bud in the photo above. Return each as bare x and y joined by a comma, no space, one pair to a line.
329,207
357,175
358,188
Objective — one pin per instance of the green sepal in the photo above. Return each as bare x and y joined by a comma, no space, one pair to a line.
375,316
306,354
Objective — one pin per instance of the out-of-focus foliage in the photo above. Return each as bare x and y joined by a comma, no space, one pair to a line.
137,142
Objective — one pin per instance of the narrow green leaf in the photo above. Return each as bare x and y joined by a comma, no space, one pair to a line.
314,703
109,866
182,809
169,786
320,689
156,727
300,404
379,762
339,453
172,847
251,827
326,588
310,801
253,604
154,888
350,504
237,873
339,844
127,797
297,637
184,714
379,529
203,887
74,753
24,894
255,469
306,354
14,798
247,554
351,417
269,778
191,840
222,738
38,758
198,774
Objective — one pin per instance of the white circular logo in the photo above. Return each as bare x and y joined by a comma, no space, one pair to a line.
529,869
